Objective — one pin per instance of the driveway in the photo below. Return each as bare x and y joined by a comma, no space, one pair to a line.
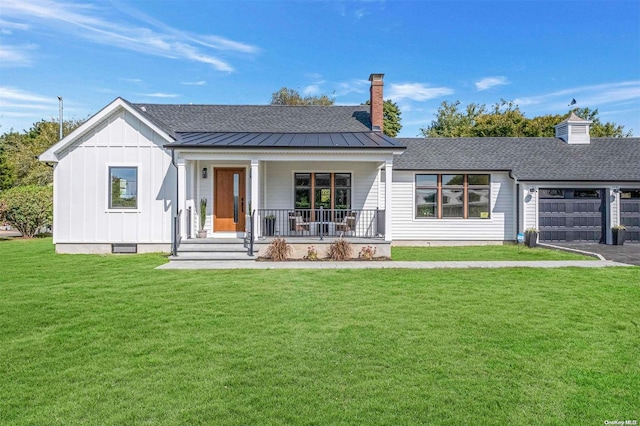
628,253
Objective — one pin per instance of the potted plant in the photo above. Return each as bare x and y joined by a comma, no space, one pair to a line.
531,237
202,233
619,233
269,225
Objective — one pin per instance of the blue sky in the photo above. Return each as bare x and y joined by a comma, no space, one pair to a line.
540,54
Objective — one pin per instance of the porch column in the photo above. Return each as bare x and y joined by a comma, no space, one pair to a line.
388,170
255,193
182,196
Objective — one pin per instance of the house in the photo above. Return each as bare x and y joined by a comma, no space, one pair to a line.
133,175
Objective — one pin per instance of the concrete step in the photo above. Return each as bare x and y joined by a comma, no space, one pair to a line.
206,241
211,256
209,248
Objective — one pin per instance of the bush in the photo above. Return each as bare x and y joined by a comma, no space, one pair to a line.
367,253
27,208
278,250
340,250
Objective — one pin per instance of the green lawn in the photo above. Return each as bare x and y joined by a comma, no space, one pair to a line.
492,252
110,340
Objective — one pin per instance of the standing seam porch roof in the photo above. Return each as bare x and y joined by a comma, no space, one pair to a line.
233,140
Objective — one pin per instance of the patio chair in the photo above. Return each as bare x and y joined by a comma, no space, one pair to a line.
298,224
347,225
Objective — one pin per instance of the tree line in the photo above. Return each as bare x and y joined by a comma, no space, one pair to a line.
505,119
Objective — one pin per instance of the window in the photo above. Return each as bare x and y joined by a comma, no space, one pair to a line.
462,196
322,190
123,193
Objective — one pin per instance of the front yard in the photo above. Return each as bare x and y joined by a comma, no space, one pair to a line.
110,340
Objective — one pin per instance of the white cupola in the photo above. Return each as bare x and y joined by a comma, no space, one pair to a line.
574,130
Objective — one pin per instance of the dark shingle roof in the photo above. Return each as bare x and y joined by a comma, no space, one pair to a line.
257,118
320,140
604,159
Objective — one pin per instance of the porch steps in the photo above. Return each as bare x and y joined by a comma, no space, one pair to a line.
212,249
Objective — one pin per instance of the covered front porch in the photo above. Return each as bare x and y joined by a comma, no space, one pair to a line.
302,197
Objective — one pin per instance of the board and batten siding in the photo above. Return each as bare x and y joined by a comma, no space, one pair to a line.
500,226
279,182
81,198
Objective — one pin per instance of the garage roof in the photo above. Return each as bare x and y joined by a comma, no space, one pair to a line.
530,159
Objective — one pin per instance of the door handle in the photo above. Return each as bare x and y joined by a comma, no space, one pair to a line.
242,204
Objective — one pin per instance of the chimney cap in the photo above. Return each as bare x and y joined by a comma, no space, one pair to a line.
376,77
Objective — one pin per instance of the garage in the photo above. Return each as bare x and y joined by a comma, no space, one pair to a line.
630,213
571,215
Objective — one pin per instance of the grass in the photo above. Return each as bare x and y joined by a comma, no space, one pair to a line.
110,340
480,253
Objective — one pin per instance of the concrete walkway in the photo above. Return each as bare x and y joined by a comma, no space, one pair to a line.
186,264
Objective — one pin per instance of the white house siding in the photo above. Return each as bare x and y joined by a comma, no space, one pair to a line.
500,226
529,207
81,215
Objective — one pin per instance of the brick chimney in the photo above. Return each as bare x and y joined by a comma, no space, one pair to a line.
376,102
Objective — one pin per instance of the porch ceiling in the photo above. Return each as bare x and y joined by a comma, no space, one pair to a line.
236,140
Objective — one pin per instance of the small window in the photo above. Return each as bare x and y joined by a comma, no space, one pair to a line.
123,192
426,196
551,193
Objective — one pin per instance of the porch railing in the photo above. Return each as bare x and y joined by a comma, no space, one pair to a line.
320,223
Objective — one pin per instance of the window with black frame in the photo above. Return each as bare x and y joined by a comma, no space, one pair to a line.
123,193
322,190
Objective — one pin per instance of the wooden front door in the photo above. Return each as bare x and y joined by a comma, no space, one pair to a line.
229,200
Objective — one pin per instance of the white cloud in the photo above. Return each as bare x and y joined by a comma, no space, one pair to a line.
312,89
151,37
12,94
351,86
16,56
489,82
160,95
592,96
7,27
416,92
195,83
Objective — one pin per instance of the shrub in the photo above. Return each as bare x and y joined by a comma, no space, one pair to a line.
203,212
27,208
340,250
312,253
278,250
367,252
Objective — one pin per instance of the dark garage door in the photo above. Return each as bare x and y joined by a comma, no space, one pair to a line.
630,213
567,215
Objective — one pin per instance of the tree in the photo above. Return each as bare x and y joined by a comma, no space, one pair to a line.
451,123
505,119
27,208
6,171
391,118
19,164
286,96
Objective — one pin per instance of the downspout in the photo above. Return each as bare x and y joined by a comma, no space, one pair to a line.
515,179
